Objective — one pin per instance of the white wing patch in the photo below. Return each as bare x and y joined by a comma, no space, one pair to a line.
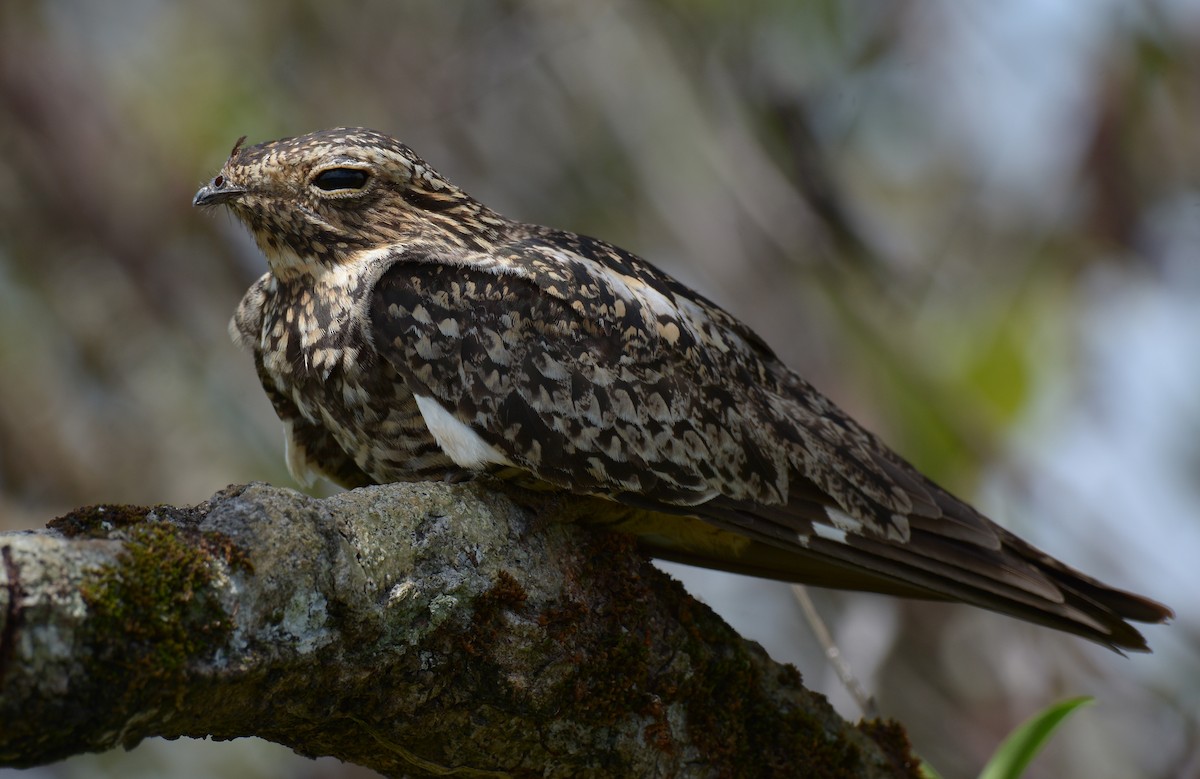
462,444
829,533
843,523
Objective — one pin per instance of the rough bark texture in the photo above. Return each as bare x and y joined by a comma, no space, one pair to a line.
420,630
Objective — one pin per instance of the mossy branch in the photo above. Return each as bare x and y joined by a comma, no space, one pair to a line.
420,630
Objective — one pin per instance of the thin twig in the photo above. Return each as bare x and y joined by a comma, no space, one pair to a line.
865,702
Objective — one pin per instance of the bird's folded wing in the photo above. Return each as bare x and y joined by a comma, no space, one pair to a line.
583,366
608,378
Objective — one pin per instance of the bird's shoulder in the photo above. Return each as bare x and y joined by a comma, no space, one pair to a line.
615,284
607,288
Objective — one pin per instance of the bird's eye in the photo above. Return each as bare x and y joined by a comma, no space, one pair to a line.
340,178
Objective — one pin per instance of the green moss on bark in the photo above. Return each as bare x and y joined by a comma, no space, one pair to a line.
153,609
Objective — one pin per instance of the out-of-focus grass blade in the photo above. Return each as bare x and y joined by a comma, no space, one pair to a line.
1027,740
927,771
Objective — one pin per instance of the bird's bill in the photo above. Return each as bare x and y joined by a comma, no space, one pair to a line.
216,192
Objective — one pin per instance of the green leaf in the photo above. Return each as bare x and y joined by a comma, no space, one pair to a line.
1023,744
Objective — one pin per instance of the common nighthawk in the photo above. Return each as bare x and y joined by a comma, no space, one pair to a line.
405,331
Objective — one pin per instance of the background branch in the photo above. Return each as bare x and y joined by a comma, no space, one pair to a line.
422,630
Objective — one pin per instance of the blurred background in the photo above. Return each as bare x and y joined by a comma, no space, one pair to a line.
975,225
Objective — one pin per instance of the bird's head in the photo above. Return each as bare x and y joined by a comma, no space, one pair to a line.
320,200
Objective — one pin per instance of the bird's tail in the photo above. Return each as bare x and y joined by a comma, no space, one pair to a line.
1009,576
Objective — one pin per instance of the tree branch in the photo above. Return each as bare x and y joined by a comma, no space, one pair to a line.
420,630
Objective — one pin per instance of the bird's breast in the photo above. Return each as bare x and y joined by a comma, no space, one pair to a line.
315,349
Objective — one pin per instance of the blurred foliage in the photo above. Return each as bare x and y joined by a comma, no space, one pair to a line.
849,177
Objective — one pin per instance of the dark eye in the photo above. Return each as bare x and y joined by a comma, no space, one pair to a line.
341,178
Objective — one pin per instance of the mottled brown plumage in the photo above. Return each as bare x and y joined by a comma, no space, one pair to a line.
406,331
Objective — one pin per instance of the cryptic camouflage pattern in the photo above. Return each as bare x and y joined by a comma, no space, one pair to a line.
405,331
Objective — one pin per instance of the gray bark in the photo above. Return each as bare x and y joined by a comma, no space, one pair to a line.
420,630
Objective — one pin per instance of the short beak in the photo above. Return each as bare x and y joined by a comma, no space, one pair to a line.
216,192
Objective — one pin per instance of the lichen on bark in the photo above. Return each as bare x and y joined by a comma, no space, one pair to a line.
416,629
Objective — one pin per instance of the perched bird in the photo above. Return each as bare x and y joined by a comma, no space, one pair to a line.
406,331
